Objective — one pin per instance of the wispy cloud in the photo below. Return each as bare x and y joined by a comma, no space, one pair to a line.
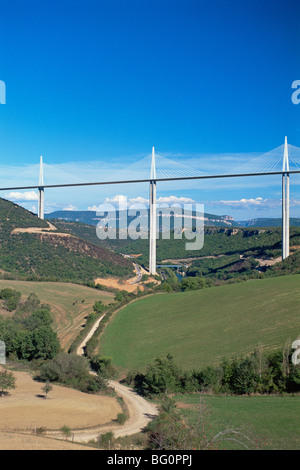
254,203
123,201
16,196
70,207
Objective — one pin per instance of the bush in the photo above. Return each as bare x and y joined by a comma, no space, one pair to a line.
74,371
106,440
102,365
192,283
11,297
7,381
163,376
121,418
210,379
98,306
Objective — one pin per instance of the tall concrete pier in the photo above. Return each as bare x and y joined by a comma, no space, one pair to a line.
152,214
285,203
41,204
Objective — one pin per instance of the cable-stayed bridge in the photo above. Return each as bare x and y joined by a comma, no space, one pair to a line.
283,161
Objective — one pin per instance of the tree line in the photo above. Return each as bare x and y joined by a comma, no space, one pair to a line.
258,373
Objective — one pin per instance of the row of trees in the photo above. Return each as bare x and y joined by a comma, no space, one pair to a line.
257,373
28,334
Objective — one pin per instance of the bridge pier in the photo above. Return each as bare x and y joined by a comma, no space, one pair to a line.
41,206
285,204
152,217
41,198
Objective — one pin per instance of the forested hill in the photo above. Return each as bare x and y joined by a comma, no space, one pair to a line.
13,216
35,252
92,218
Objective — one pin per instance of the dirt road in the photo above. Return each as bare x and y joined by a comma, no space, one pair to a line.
80,349
140,410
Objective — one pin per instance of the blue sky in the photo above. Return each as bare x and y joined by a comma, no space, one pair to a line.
93,85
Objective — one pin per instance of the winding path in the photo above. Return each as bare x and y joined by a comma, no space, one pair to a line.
140,410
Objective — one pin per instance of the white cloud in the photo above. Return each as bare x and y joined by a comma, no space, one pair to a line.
244,202
21,197
124,202
139,200
119,199
93,208
255,203
70,207
174,199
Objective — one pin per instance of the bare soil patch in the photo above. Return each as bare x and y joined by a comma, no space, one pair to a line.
114,283
24,409
51,230
18,441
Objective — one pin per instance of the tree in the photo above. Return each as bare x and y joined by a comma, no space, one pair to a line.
45,342
98,306
7,381
163,376
47,388
192,283
102,365
66,430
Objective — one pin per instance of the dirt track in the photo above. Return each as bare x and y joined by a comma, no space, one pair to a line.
140,413
80,349
140,410
51,230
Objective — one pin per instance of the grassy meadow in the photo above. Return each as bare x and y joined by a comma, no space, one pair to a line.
70,303
270,421
202,327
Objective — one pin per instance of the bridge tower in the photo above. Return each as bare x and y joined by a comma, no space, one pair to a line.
285,203
152,214
41,191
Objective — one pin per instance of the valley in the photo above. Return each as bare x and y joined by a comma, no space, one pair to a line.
201,318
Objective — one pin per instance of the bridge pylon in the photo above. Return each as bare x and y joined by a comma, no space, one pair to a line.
41,200
152,216
285,203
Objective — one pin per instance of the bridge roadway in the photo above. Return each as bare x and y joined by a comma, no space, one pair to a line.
149,180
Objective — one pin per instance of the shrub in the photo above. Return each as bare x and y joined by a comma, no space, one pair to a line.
121,418
106,441
102,365
11,297
7,381
65,367
74,371
163,376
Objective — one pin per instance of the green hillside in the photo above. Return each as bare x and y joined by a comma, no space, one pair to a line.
36,256
219,241
69,303
200,328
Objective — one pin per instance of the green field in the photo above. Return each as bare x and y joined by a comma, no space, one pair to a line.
70,303
272,421
200,328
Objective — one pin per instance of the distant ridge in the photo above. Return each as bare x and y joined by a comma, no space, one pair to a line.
268,222
91,218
